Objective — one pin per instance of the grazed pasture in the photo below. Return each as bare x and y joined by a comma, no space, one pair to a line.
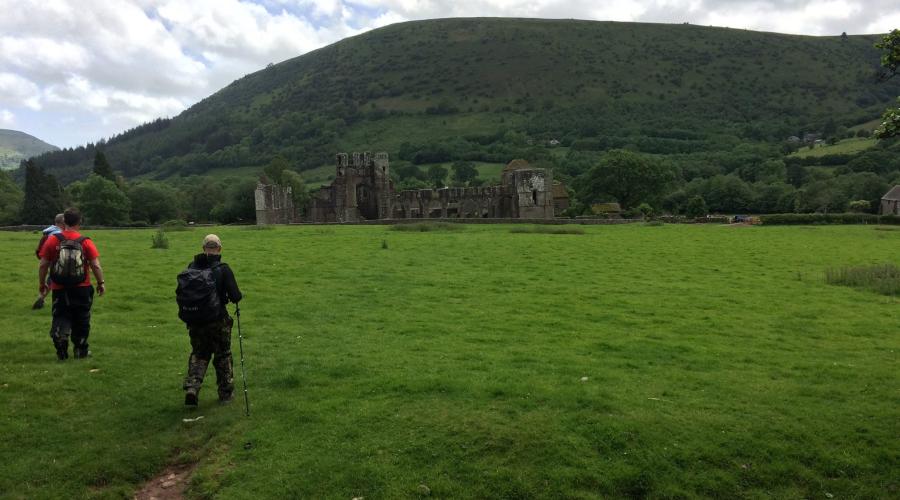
670,361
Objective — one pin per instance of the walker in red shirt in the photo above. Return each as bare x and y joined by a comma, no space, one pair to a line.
50,251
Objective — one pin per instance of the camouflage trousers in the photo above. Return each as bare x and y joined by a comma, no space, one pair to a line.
211,342
72,318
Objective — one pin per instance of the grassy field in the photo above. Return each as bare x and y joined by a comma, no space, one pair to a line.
632,361
846,146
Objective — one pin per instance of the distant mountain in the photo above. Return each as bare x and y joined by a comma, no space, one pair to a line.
487,89
16,146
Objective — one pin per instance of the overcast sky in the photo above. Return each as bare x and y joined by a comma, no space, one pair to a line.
73,71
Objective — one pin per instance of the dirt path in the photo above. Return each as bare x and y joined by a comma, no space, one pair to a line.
168,485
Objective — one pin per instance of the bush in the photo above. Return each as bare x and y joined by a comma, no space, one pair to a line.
881,278
160,240
547,230
696,207
846,218
423,227
173,225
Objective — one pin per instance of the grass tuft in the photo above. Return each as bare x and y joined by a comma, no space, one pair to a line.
159,240
881,278
424,227
547,230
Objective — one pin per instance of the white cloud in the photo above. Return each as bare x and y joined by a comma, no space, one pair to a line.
7,119
15,90
811,17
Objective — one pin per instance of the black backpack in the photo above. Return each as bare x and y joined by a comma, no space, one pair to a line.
197,296
68,268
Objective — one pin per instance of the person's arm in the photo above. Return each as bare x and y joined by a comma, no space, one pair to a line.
46,254
98,273
42,276
231,286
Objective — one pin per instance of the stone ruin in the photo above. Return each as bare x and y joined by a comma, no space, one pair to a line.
274,204
362,190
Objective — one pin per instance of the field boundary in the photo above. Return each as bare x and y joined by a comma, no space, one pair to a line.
390,222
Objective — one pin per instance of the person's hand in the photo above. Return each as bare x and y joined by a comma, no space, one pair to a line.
101,288
43,289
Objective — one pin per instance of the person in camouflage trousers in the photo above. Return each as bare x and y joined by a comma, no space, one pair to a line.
212,341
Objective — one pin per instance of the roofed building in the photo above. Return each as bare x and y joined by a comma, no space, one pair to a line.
890,202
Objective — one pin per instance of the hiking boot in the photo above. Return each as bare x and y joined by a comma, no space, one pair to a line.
190,397
81,354
226,397
62,353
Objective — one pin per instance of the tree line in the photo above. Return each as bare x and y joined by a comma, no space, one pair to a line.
107,198
751,178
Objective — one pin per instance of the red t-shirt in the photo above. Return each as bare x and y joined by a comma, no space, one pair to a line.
50,250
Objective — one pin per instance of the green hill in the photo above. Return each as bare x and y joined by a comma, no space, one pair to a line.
16,146
489,90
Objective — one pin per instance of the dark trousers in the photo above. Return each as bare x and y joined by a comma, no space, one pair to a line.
72,318
211,341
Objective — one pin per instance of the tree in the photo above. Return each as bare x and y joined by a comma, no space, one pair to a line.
863,186
696,207
239,204
102,166
153,202
775,197
464,172
859,206
276,168
728,194
10,200
202,194
436,175
646,210
630,178
890,61
102,203
43,196
299,193
405,172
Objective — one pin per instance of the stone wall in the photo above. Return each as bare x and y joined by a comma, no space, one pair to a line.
362,191
274,204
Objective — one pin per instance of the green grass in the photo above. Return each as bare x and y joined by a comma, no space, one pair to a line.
668,362
547,230
846,146
424,227
881,278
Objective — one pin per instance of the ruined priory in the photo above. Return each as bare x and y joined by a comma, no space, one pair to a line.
363,190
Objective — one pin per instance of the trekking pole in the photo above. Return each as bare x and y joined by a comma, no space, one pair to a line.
237,312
